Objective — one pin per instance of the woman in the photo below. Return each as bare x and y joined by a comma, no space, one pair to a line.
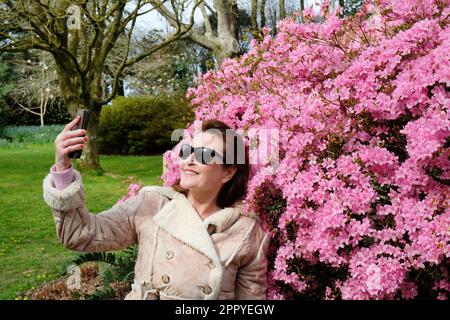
194,241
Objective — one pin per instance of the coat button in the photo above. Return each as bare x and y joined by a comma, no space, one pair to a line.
169,254
207,290
211,229
165,278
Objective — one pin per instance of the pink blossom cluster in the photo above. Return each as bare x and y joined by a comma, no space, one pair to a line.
361,105
133,189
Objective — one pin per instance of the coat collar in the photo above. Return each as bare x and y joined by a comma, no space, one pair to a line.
221,219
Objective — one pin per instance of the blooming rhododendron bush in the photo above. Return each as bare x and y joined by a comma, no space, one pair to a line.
358,207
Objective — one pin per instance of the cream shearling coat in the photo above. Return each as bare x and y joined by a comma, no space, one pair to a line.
180,256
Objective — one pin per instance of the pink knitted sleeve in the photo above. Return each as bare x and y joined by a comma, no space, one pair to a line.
62,179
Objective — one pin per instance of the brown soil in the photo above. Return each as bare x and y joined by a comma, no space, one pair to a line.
90,282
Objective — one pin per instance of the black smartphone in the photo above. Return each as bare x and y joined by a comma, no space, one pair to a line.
82,124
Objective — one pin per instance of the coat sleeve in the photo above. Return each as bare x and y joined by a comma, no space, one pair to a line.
79,230
251,282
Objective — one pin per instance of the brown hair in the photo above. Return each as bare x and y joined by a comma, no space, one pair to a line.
236,188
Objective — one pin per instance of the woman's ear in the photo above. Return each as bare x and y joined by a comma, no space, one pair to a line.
230,171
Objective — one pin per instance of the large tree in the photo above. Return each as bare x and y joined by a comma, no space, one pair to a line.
221,36
80,38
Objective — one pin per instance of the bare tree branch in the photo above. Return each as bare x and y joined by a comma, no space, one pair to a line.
29,110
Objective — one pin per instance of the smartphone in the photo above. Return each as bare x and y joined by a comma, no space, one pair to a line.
82,124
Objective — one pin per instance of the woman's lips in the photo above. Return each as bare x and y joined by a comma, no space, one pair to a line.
190,172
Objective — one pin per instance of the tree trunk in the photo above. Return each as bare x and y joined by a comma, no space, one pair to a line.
224,44
226,30
282,10
254,20
263,14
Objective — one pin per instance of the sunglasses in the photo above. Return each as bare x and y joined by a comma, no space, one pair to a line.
201,154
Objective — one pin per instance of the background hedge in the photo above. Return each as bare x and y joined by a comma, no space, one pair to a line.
142,125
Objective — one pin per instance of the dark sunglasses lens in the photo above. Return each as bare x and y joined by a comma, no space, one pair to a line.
185,151
201,155
207,155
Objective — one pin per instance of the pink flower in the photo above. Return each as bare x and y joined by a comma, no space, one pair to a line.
133,189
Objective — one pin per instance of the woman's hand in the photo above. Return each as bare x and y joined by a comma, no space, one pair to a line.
66,142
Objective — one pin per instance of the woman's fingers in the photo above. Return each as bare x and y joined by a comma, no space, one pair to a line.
74,133
73,141
70,134
73,148
71,124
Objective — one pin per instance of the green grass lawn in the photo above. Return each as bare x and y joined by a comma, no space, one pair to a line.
29,250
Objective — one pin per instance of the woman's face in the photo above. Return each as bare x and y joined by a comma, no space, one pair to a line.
205,177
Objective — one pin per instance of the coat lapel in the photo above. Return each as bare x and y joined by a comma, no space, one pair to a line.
180,220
